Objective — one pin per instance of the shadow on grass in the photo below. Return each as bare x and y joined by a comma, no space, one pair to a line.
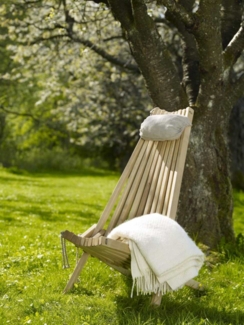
51,216
172,312
86,171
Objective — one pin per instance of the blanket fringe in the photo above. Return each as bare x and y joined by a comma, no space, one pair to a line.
148,285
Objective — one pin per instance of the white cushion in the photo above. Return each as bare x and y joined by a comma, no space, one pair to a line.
163,127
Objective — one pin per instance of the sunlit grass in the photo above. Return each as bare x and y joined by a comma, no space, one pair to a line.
238,212
34,208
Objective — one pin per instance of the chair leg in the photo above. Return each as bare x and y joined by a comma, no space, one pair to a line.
81,263
156,299
195,285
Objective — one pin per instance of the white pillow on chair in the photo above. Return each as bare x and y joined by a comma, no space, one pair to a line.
163,127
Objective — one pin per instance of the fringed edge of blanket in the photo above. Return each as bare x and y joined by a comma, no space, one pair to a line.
148,285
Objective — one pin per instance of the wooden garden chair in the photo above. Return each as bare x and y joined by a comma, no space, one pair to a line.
150,183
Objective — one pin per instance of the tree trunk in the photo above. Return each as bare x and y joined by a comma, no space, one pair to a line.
236,143
205,205
205,210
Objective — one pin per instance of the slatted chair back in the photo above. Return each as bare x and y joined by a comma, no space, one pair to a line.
151,180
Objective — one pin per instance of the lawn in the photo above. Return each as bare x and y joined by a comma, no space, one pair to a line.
35,208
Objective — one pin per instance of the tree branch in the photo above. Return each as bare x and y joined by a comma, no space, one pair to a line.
18,113
150,53
122,12
209,43
231,17
32,2
38,121
180,12
190,60
234,48
105,55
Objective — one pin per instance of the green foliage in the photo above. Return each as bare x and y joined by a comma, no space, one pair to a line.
39,159
36,207
62,94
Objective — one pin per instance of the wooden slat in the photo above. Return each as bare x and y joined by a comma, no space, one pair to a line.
170,179
163,185
110,255
180,164
143,181
159,180
122,270
89,231
95,238
156,299
77,270
129,191
146,195
140,173
106,258
116,244
133,159
195,285
119,265
90,241
113,254
151,195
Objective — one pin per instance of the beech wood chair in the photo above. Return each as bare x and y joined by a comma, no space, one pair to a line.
150,183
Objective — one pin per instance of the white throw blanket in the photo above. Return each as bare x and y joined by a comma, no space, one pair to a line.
163,256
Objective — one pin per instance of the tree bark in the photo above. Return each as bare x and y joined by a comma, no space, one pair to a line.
150,53
236,144
205,205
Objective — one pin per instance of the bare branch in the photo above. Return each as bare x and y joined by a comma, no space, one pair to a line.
234,48
106,55
112,38
112,59
32,2
45,39
50,124
8,111
99,1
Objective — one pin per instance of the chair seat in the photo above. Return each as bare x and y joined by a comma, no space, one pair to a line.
113,252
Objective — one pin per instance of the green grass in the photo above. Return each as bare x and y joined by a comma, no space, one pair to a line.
34,208
238,212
